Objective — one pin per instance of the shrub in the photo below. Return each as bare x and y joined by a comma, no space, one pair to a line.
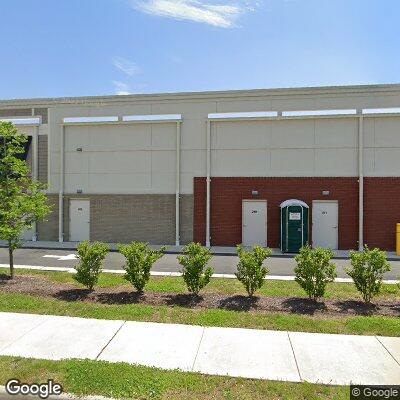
194,262
314,270
367,269
91,256
139,260
250,270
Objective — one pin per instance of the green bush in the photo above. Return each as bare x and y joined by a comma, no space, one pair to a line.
367,269
250,270
91,257
314,270
139,260
194,262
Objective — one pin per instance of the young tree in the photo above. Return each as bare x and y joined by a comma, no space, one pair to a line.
91,257
250,270
139,260
195,270
367,269
314,270
22,200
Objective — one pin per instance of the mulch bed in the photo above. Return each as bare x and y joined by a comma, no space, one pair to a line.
42,287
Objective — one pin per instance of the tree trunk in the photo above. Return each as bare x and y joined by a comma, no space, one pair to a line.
11,257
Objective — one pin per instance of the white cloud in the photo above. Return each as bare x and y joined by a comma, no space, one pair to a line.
121,88
221,15
126,66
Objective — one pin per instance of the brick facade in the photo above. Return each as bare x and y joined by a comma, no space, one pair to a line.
226,205
381,211
381,207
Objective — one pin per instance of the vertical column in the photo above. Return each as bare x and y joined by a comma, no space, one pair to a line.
360,181
177,182
61,190
208,182
35,167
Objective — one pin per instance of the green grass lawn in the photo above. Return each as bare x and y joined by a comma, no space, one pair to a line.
362,325
383,326
119,380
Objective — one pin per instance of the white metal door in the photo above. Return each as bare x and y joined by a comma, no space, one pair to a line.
79,214
254,230
325,224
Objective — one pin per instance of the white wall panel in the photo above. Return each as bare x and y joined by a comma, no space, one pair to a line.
241,135
292,134
292,162
243,105
336,132
76,163
387,132
369,132
336,162
120,162
193,162
119,183
293,103
239,162
190,109
163,162
163,182
387,162
163,136
369,161
193,134
73,182
76,137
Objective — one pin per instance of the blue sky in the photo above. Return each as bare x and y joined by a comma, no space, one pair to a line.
99,47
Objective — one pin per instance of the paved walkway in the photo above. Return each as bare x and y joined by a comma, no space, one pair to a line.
248,353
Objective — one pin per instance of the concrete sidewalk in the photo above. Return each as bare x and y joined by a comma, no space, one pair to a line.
248,353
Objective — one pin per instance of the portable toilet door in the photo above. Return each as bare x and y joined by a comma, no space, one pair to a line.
294,225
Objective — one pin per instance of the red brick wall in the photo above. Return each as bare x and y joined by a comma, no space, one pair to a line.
226,205
381,211
381,207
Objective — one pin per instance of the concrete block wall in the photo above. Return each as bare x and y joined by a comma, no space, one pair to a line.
124,218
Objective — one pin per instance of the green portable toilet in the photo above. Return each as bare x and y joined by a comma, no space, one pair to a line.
294,225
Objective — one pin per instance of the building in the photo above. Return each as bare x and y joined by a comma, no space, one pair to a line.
176,167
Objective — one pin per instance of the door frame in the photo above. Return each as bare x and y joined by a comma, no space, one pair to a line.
266,216
69,215
312,220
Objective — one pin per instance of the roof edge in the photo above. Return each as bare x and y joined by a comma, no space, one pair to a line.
308,90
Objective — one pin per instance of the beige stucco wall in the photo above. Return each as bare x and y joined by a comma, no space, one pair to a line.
140,158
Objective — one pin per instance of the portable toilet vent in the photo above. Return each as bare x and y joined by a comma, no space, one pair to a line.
294,225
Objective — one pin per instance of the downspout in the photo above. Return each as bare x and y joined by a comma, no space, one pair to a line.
177,182
35,167
360,182
61,191
208,181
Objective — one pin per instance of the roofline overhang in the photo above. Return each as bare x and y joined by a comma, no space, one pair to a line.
225,94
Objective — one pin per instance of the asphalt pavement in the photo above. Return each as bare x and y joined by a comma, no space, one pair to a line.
281,266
